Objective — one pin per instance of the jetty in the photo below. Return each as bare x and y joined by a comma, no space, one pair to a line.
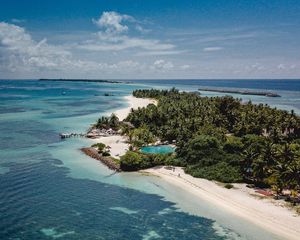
70,135
243,92
92,133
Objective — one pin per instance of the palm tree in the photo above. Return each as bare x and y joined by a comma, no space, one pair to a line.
290,155
113,121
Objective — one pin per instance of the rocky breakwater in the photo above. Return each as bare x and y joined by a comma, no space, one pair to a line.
107,160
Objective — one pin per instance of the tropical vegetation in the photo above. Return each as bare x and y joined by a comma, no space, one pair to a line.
219,138
102,149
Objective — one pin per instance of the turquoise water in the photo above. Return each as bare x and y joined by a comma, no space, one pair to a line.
162,149
50,190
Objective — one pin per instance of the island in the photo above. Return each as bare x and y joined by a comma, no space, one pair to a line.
80,80
242,92
232,153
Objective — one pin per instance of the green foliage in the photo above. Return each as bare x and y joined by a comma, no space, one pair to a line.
114,121
154,93
221,138
228,186
211,130
108,122
141,136
221,171
181,115
172,160
106,154
233,145
131,161
100,146
202,150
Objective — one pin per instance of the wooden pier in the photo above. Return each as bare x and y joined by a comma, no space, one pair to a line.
70,135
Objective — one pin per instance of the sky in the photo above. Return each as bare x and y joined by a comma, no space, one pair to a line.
157,39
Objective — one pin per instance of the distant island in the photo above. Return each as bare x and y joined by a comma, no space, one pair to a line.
245,92
80,80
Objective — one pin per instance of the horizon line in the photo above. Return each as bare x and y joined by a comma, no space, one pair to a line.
142,79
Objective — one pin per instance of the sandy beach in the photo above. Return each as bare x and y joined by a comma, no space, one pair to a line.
133,103
118,143
240,200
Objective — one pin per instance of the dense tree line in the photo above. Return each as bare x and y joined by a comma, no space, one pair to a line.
223,138
135,160
108,122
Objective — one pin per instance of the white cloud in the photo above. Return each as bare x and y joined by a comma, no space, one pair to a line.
256,67
112,22
282,66
215,38
121,66
113,36
212,49
162,65
118,43
159,53
141,29
185,67
20,53
23,51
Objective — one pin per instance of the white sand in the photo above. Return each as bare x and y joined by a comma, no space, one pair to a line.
133,103
118,143
239,201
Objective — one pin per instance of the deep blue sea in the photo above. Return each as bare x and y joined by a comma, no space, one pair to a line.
50,190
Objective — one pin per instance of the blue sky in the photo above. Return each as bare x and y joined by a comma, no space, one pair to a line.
150,39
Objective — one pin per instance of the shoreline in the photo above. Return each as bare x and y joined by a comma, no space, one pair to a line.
134,103
118,143
240,201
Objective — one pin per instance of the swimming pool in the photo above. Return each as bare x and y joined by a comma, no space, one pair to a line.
162,149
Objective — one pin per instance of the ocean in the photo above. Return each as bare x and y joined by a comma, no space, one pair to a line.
50,190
